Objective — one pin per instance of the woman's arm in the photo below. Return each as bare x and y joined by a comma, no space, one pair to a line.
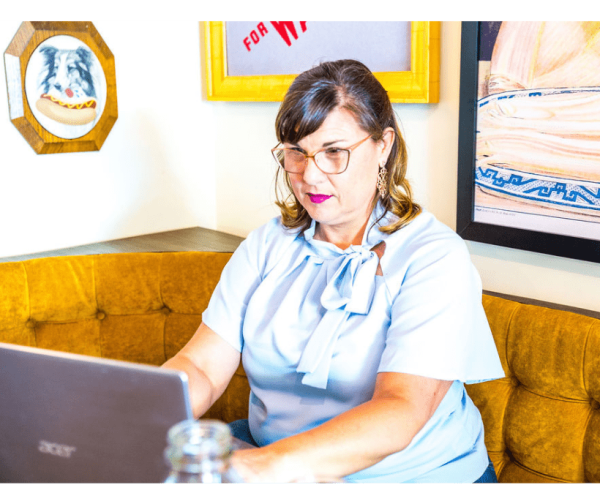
352,441
209,362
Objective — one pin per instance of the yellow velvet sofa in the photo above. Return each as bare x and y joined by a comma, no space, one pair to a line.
542,422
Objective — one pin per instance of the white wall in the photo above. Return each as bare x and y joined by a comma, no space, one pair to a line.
155,171
208,164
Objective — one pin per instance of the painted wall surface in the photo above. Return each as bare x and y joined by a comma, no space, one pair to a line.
155,172
174,160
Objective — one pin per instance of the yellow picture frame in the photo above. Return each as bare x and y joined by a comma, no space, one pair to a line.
420,84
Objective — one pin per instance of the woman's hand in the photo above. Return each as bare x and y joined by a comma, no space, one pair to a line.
265,465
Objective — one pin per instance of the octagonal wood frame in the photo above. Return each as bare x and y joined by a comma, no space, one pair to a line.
29,36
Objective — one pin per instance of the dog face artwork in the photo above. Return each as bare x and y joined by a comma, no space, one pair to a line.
68,73
65,86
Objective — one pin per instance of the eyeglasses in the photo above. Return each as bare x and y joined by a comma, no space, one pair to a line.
331,160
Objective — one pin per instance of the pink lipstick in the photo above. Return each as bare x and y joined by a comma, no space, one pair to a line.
318,198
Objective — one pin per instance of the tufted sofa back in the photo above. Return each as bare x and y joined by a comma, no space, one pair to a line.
542,421
137,307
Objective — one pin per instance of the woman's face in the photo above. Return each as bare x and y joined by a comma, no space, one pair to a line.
341,203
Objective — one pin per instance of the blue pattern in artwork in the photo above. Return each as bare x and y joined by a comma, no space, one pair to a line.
528,187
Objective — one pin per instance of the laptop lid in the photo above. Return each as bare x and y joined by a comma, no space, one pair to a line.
73,419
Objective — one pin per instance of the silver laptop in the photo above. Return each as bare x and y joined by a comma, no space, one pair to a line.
74,419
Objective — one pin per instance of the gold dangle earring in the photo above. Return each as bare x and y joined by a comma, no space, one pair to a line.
382,180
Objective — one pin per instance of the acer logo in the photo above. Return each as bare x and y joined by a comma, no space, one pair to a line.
56,449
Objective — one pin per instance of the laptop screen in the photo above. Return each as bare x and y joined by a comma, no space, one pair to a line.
74,419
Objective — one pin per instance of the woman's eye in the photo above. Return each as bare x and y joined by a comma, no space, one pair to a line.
333,150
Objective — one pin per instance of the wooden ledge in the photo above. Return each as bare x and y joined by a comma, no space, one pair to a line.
180,240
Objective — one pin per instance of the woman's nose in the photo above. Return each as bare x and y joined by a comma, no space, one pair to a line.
312,173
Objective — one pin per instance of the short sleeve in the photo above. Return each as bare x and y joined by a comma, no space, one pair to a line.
227,307
438,327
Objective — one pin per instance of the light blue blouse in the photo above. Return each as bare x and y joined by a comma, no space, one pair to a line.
315,325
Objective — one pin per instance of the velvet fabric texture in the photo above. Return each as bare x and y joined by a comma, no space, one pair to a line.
542,422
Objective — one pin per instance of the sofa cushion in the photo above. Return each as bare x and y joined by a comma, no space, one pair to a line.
139,307
541,419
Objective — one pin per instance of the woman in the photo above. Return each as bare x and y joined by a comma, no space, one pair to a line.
357,315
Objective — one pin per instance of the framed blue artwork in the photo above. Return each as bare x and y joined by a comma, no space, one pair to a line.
529,136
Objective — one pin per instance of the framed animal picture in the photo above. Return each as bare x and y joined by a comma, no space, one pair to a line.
258,60
61,86
529,136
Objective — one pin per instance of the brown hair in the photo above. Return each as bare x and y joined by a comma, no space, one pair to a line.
312,96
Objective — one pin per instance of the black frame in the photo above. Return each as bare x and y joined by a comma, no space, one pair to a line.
545,243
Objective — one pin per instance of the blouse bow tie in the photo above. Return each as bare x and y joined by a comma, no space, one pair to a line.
350,289
350,282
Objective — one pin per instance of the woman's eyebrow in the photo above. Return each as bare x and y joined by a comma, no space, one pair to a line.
327,144
323,146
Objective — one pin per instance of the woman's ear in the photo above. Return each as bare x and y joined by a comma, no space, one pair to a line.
386,142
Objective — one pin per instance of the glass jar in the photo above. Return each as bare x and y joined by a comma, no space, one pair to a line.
199,451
